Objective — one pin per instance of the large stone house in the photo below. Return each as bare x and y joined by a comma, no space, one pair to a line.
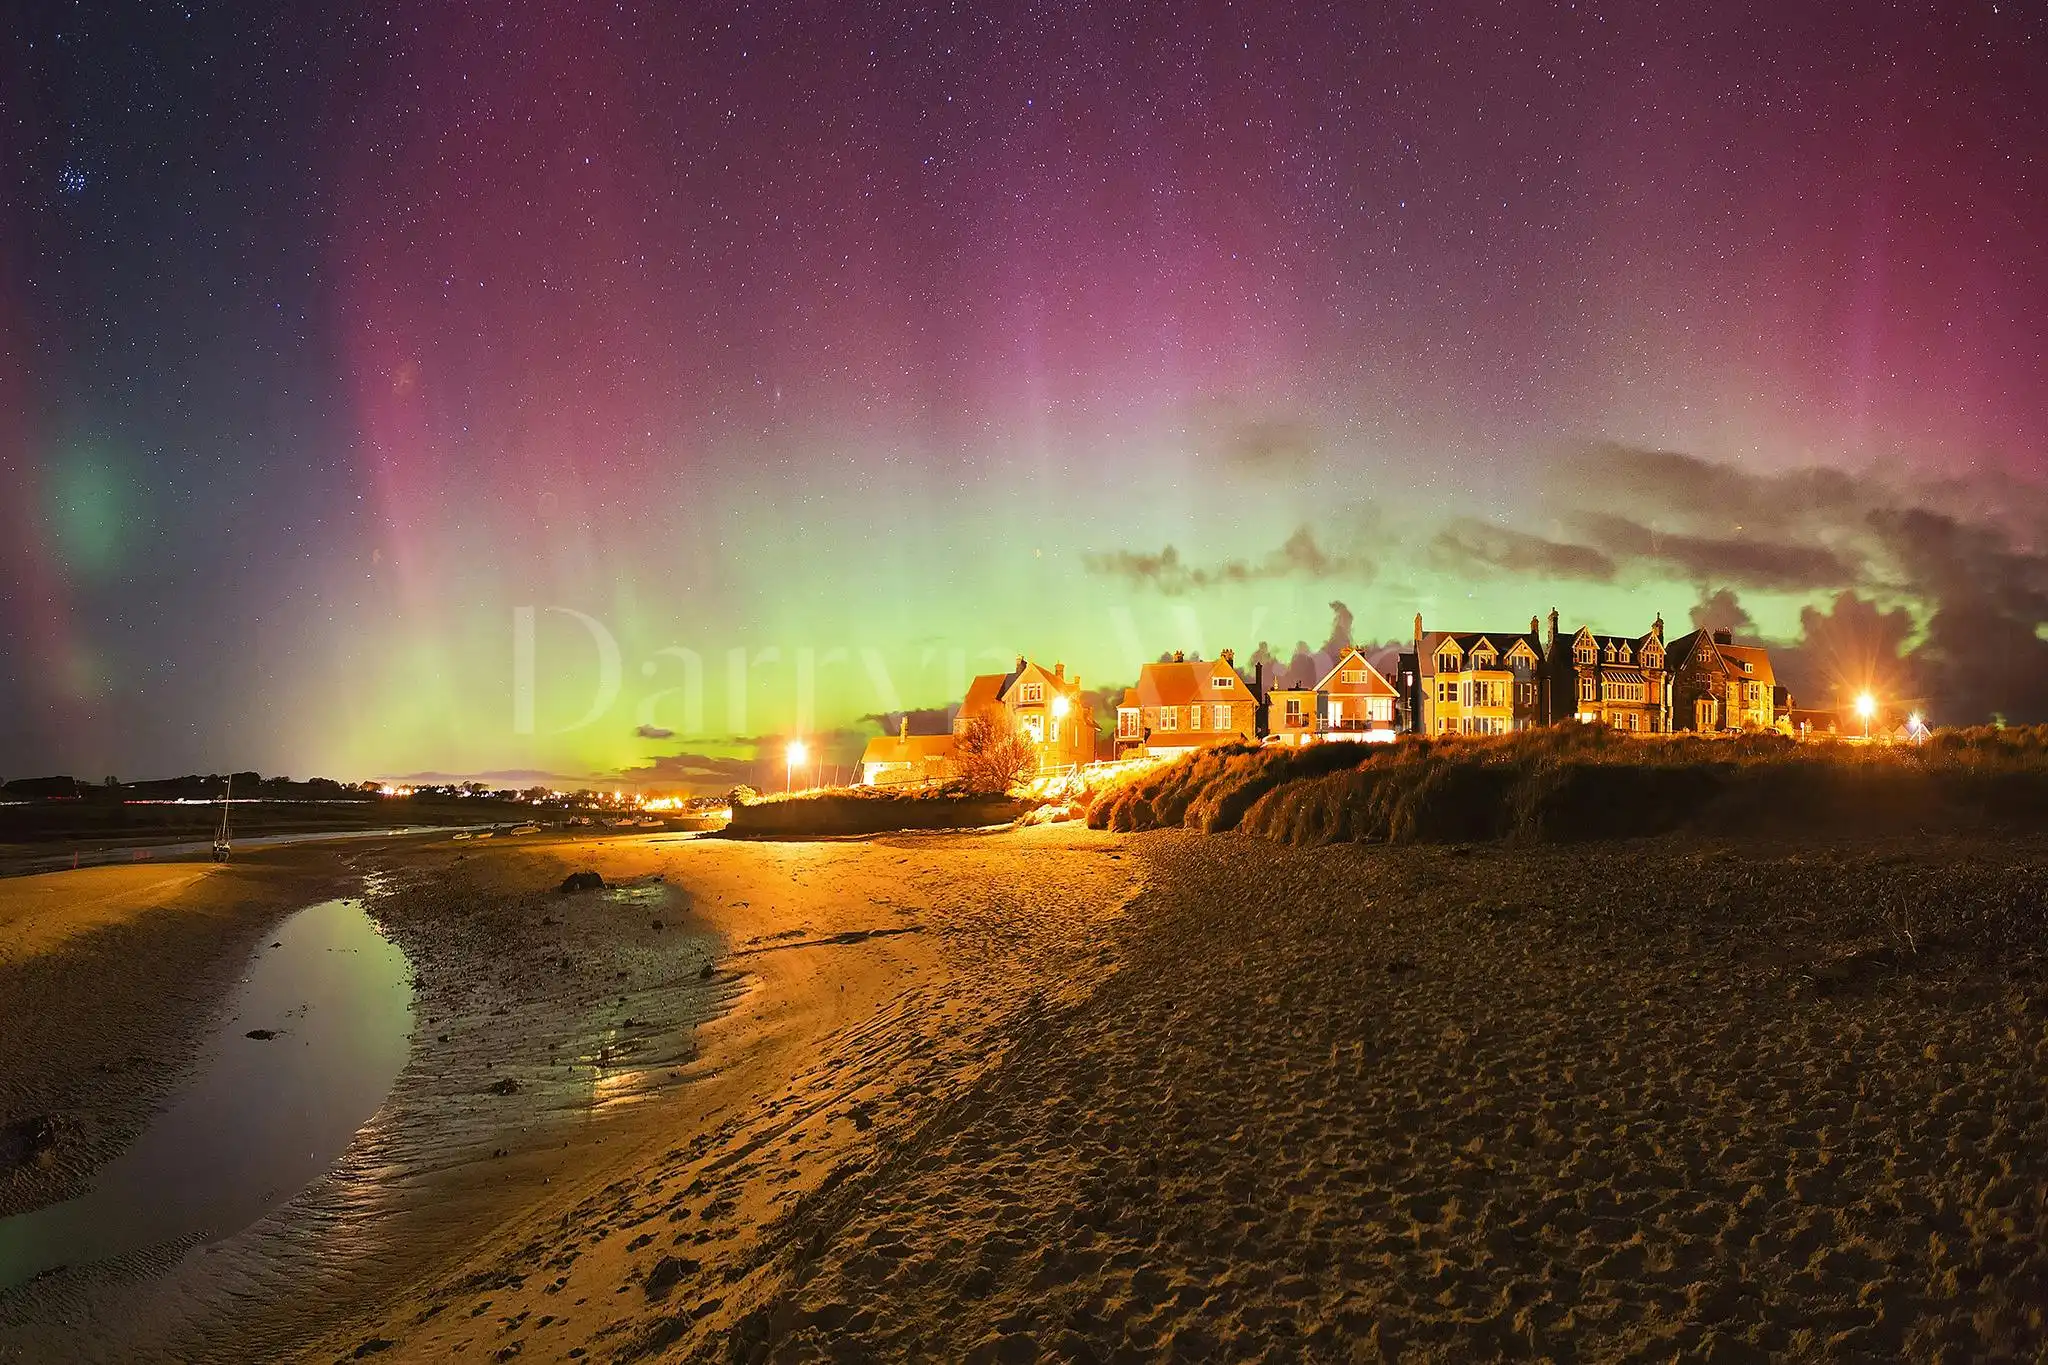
1720,685
1180,704
1045,705
1615,680
1473,682
1353,701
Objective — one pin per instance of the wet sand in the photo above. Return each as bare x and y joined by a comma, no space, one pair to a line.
108,978
1059,1095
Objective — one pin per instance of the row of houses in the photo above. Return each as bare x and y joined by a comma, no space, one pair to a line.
1449,682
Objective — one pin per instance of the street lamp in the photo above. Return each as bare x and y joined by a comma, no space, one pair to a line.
1866,707
796,756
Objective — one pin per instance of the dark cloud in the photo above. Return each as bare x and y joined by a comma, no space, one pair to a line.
653,732
1743,561
1252,439
1272,446
924,720
1981,655
1300,556
1466,543
1721,610
1340,629
1851,645
1711,497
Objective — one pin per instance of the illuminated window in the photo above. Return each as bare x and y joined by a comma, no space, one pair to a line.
1169,718
1223,721
1031,692
1295,720
1127,722
1352,675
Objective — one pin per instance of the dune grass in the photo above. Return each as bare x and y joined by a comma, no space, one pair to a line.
1574,782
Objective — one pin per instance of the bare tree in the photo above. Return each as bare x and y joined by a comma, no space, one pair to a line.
992,753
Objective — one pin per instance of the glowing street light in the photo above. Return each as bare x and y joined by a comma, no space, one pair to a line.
797,752
1060,707
1866,707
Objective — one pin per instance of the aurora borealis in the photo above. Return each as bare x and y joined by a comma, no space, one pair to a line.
880,343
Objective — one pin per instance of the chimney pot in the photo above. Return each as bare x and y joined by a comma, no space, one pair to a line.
1059,670
903,726
1230,657
1020,663
1179,657
1724,636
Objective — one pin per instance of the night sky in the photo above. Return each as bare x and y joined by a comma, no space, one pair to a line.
884,342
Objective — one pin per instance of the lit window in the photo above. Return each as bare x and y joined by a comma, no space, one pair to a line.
1223,721
1031,692
1294,713
1352,675
1169,718
1127,723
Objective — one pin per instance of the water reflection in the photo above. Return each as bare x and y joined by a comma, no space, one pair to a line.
260,1118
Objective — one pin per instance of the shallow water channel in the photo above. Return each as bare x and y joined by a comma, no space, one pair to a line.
259,1118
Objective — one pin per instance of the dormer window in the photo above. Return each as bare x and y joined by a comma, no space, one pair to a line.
1747,667
1584,654
1624,653
1031,692
1610,651
1222,681
1447,663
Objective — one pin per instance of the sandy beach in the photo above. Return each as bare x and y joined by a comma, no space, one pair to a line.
1054,1094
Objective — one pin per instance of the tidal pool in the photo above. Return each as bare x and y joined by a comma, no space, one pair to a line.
260,1117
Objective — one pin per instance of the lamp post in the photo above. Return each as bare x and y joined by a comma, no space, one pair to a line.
795,756
1866,707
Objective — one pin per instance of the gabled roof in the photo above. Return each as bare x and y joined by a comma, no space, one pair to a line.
1635,644
1180,684
1467,642
907,748
993,689
1728,658
1351,660
987,690
1758,659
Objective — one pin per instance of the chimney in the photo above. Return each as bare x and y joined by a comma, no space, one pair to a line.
1179,657
1020,663
1551,643
1724,636
1535,629
1230,658
1059,671
1418,627
1657,626
903,727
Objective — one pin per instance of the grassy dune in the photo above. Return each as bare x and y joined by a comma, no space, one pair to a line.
1575,783
868,810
